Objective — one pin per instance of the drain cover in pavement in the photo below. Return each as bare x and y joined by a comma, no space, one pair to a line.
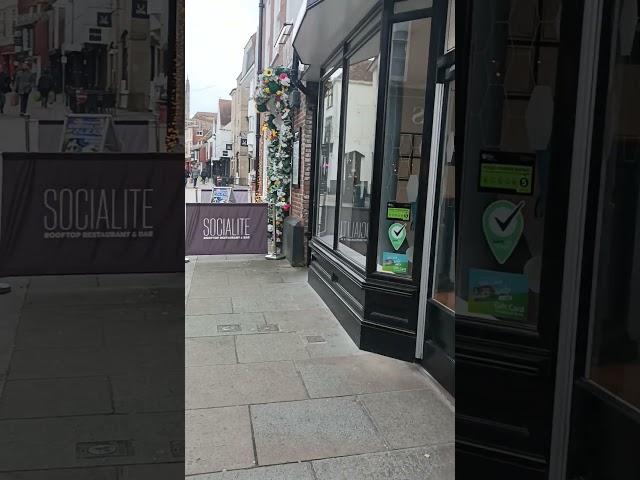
315,339
106,449
177,448
268,328
229,328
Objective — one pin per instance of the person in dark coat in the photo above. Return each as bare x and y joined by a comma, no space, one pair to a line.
23,83
45,84
5,86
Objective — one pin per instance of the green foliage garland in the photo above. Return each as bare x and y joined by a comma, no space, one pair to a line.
272,97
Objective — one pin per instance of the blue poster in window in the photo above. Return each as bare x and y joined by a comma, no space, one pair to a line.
502,295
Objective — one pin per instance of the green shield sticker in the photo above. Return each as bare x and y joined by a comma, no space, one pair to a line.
397,235
503,225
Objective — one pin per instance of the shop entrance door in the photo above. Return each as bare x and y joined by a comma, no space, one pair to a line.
604,385
436,333
435,345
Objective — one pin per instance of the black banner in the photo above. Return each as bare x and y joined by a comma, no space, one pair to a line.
226,229
91,213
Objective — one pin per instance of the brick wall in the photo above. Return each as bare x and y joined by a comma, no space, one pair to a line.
300,195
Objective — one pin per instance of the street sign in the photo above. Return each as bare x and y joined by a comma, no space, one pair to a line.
63,59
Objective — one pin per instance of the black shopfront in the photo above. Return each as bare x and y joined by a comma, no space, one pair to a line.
382,246
547,325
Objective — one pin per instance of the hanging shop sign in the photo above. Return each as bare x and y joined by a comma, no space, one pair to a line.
506,172
503,224
104,19
226,229
221,195
398,211
397,235
88,134
295,161
140,9
90,214
499,294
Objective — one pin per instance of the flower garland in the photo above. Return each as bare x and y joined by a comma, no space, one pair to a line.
272,97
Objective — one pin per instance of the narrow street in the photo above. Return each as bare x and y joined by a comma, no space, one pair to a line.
276,390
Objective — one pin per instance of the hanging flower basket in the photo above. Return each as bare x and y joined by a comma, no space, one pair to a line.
272,97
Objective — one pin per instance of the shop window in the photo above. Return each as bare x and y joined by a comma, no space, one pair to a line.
359,145
328,159
507,158
445,264
615,322
403,146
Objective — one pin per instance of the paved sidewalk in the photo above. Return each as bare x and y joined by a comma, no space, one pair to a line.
276,390
89,366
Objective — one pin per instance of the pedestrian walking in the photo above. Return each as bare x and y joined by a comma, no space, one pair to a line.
195,180
186,178
45,84
5,87
23,84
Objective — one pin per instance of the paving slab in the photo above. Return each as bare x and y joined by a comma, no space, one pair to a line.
73,332
87,362
209,325
210,351
274,303
242,384
208,306
309,321
218,439
270,347
312,429
289,471
358,374
151,329
98,473
155,391
411,418
436,463
55,398
53,443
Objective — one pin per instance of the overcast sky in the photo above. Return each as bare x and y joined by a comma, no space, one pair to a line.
215,36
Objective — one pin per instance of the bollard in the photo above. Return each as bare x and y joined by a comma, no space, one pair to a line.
274,255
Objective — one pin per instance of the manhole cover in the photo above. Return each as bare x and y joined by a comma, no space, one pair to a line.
106,449
228,328
268,328
177,448
315,339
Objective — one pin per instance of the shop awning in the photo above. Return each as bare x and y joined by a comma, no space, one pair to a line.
322,25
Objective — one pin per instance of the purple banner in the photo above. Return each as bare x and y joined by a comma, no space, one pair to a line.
91,213
226,228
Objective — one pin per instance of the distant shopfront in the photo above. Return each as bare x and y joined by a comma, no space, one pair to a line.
382,250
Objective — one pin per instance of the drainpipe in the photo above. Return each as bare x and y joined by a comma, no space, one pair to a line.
310,91
256,159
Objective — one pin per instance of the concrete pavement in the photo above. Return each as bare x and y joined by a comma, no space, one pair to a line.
88,371
276,390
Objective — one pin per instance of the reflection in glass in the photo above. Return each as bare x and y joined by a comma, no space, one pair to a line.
404,122
328,157
615,347
444,272
359,144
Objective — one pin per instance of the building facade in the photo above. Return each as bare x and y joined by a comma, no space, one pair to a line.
8,17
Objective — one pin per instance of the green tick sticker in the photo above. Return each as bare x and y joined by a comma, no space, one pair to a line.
397,235
503,225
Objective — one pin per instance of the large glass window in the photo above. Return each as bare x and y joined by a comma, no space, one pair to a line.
359,145
328,157
409,57
615,331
